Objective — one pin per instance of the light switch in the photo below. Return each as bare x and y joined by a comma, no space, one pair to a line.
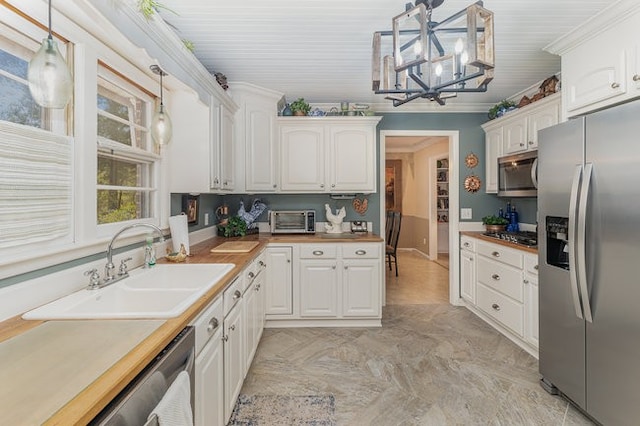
466,213
206,219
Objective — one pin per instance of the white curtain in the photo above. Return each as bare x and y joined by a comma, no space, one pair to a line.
36,185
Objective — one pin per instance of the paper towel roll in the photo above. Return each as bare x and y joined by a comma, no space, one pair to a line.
179,232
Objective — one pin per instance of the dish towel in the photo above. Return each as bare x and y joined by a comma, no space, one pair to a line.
174,408
179,232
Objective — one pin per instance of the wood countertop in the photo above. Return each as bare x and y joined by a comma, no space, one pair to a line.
479,235
109,378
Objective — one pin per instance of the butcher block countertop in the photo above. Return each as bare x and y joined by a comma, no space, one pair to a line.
99,357
480,236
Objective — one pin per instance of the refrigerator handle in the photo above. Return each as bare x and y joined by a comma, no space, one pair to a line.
581,245
534,173
573,207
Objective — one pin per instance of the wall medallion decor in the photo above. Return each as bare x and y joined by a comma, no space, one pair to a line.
471,160
360,206
472,183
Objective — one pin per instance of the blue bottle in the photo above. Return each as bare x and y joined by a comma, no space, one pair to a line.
286,112
513,221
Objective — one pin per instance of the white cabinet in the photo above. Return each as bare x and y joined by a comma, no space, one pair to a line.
227,147
493,150
359,296
279,281
253,308
233,346
209,366
515,135
318,288
599,60
541,118
531,298
468,269
256,137
328,155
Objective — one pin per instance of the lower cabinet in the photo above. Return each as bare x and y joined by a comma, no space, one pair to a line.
209,384
359,297
233,359
318,288
279,284
500,285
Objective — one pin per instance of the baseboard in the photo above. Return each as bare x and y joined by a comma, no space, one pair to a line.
420,252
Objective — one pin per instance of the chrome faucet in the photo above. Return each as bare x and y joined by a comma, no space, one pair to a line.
109,269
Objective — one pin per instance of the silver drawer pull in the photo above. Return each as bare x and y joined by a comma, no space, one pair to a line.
318,252
495,306
251,274
496,277
495,254
636,77
213,324
237,295
361,252
261,263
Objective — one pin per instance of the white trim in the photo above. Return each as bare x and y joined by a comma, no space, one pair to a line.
416,106
454,198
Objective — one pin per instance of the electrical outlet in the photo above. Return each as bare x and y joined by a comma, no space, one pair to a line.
466,213
424,241
206,219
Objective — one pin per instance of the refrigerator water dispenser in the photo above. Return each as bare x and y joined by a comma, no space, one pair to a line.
557,241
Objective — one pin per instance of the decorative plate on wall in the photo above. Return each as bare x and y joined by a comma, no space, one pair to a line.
471,160
472,183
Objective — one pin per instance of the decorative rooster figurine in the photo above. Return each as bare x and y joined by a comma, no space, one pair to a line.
250,217
335,220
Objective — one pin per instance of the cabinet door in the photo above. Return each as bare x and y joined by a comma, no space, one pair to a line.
352,158
249,330
279,282
531,309
215,150
318,288
468,276
261,160
209,384
515,136
233,359
260,306
302,158
361,288
493,149
541,119
227,156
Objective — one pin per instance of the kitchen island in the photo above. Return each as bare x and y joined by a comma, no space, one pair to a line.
88,392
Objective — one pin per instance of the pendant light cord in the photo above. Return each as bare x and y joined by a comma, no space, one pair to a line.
50,36
161,89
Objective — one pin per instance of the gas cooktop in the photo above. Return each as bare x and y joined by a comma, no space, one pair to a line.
523,238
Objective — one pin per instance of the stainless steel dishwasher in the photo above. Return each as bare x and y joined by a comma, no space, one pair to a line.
133,405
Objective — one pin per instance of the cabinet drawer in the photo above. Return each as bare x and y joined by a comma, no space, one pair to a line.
232,294
467,243
501,308
501,254
360,251
502,278
208,323
531,264
248,274
318,251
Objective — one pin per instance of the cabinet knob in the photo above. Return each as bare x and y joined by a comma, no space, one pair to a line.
636,77
535,267
467,244
237,295
496,277
495,306
333,267
225,338
615,85
346,267
275,186
232,327
521,144
333,185
318,252
251,274
322,185
526,281
495,254
213,324
530,142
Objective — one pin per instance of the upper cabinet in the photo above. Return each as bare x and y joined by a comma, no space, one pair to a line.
327,154
600,60
256,136
517,132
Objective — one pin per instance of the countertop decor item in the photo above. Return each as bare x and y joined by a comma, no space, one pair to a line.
236,227
178,257
472,183
494,223
300,107
335,220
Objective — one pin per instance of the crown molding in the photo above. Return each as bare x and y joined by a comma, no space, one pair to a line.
594,26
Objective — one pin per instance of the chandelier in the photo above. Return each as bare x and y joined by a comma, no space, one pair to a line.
433,60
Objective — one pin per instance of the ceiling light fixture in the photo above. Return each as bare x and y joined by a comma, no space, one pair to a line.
434,60
161,128
50,82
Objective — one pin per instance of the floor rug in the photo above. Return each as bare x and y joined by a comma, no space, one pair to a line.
267,410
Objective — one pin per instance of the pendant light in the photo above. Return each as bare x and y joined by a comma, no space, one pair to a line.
50,82
161,123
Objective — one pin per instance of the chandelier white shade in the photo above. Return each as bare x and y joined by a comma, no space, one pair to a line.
50,82
421,58
161,128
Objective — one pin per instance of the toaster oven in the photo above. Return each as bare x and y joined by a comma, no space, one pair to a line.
292,221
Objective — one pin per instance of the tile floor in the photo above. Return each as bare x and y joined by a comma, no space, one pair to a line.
430,364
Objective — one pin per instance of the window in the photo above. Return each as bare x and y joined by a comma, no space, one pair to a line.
127,161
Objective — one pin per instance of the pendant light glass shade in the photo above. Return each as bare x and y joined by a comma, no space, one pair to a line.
50,82
161,128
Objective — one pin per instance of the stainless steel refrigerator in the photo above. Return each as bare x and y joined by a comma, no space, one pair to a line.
589,257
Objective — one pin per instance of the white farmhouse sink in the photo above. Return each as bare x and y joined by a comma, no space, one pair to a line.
165,291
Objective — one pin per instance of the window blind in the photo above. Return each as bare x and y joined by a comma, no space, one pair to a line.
36,185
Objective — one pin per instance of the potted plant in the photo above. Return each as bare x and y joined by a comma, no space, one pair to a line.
300,107
235,227
494,223
499,109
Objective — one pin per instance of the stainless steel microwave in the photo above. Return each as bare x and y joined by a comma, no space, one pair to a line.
292,221
518,175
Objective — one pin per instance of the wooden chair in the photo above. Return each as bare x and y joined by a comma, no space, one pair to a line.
389,226
392,240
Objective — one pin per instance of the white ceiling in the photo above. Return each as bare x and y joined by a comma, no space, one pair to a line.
321,50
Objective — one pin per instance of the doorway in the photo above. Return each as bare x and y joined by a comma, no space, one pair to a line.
419,152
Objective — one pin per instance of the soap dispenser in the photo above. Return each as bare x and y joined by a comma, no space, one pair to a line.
149,253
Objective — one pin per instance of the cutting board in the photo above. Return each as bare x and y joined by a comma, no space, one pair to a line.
235,247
